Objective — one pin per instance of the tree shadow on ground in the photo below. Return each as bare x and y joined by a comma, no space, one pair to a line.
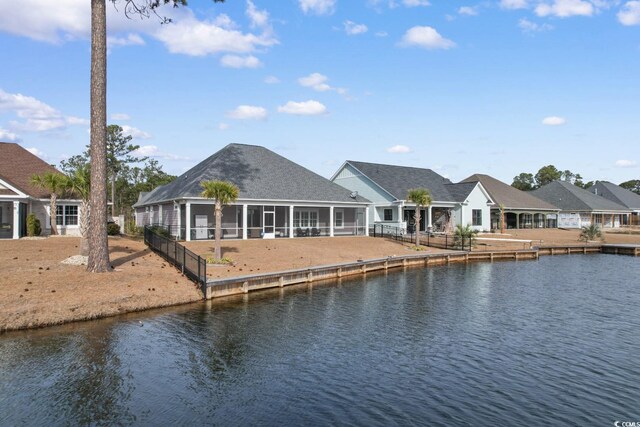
132,254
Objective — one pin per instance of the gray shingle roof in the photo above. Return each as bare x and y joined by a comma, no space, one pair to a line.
568,197
259,173
509,196
616,194
398,180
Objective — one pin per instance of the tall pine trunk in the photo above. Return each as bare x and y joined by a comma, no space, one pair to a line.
97,235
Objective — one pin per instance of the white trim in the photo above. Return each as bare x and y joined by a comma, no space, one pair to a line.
283,202
332,222
16,220
14,189
341,211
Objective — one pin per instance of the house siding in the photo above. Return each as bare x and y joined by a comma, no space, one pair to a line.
476,200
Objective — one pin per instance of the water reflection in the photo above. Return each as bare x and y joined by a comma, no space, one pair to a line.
539,343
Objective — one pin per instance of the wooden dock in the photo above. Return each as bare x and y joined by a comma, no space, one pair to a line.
245,284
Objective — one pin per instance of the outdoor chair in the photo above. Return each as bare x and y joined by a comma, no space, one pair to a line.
315,232
301,233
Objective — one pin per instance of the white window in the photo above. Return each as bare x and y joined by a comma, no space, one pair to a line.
339,218
66,215
305,218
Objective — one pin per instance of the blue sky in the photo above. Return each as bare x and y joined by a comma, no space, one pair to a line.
497,86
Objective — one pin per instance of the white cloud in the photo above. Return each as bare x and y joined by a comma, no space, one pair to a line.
351,28
135,132
34,115
73,120
565,8
305,108
514,4
258,18
223,126
531,27
120,116
425,37
318,7
382,34
629,14
554,121
399,149
193,37
271,80
467,10
155,152
6,135
626,163
128,40
38,153
415,3
248,112
316,81
235,61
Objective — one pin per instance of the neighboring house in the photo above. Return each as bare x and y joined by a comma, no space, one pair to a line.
619,195
278,198
521,209
579,207
18,197
387,187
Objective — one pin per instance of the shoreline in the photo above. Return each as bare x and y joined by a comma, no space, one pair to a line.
37,291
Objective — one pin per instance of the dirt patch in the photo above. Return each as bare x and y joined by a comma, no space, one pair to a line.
36,289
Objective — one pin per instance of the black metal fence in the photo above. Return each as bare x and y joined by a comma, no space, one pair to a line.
434,240
192,265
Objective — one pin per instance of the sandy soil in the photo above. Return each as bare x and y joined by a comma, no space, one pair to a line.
547,237
37,290
265,256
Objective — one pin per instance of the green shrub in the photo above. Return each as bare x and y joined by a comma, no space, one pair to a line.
33,225
113,229
158,229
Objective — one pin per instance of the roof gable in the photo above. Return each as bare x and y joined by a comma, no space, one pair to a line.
572,198
617,194
510,197
259,173
18,165
398,180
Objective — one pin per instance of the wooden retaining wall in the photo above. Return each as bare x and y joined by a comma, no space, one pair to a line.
245,284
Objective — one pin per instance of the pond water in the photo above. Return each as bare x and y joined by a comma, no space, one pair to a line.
548,342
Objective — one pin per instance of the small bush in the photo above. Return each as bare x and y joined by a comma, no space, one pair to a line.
113,229
33,225
158,229
224,261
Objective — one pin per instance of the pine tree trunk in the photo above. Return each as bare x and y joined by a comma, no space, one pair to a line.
218,250
98,243
53,215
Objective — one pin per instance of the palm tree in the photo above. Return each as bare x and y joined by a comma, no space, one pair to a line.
590,232
80,184
501,218
56,184
224,193
421,197
464,233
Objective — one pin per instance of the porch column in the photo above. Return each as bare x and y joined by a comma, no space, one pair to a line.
517,220
16,220
291,222
366,221
429,217
160,215
188,222
331,221
400,216
179,219
245,235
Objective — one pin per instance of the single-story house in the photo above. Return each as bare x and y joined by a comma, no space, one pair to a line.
387,186
521,209
622,196
18,197
278,199
579,207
